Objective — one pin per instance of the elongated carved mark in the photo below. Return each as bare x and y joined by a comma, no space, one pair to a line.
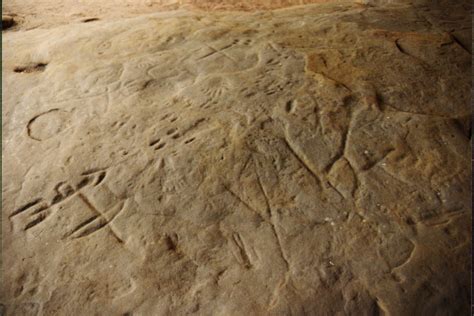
260,184
90,20
335,189
57,198
26,207
90,229
84,223
88,203
374,163
247,161
154,142
380,308
39,67
302,162
407,260
243,256
84,182
99,175
190,140
444,219
271,220
247,205
39,218
400,49
193,126
100,178
404,52
40,209
92,171
345,137
457,41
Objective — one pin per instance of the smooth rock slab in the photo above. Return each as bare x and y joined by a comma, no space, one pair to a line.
313,160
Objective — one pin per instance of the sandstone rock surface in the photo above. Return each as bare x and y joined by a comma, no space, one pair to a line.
50,13
312,160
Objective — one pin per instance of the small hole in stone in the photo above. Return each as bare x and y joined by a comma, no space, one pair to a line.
409,221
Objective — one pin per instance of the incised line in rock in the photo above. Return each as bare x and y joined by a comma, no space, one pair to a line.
242,250
103,221
302,162
272,220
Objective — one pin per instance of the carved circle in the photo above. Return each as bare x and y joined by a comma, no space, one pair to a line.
48,124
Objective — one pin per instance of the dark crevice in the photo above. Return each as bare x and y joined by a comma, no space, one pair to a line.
7,22
39,67
171,242
90,20
464,125
457,41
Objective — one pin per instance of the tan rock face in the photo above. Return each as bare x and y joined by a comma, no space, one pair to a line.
31,14
312,160
49,13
